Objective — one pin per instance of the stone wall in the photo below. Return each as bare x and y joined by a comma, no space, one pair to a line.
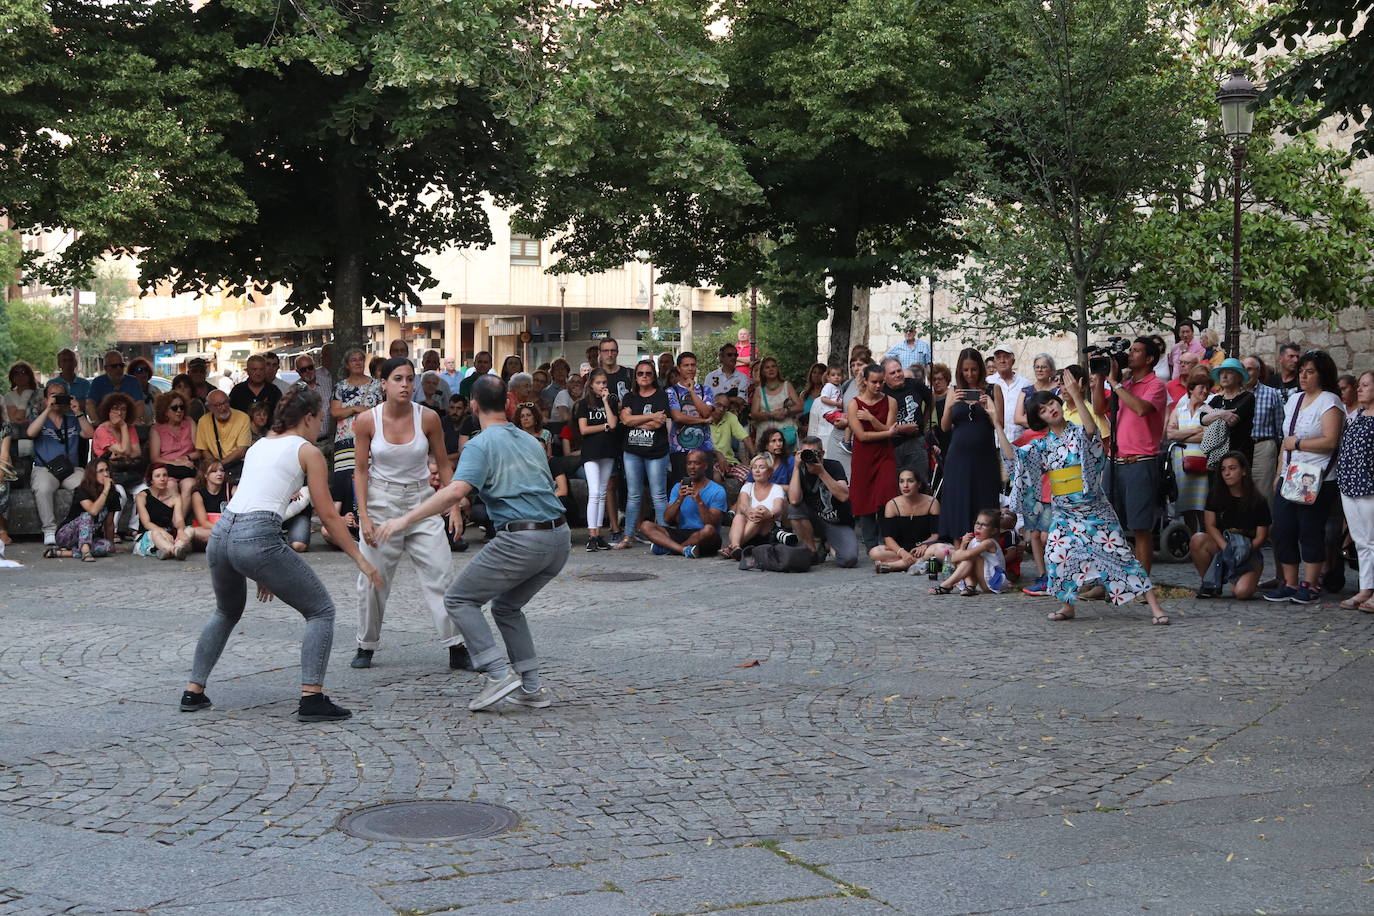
1349,340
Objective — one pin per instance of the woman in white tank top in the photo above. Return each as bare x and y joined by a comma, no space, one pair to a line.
392,445
247,543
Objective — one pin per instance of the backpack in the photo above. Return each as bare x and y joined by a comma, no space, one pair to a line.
776,558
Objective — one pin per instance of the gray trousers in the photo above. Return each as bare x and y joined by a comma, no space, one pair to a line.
251,546
45,487
508,572
1264,467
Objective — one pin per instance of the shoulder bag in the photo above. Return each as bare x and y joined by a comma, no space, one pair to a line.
1302,480
60,467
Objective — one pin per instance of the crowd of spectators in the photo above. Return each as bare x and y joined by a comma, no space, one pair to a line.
893,455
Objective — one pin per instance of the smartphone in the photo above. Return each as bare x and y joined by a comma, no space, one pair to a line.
970,394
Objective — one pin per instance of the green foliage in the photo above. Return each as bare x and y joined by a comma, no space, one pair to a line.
39,328
10,249
1083,120
1336,68
113,287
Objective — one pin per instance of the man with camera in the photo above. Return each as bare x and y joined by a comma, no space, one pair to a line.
1137,412
818,510
56,433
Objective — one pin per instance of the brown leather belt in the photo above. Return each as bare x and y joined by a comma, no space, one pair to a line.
1132,459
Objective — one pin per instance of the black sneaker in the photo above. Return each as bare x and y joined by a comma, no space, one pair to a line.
316,707
192,702
362,660
601,543
591,544
460,546
458,658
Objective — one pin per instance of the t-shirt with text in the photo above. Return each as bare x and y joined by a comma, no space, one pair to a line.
646,443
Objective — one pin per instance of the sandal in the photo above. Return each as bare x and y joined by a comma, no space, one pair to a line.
968,591
729,552
87,556
1159,620
940,590
51,553
886,568
1367,607
1350,604
1059,616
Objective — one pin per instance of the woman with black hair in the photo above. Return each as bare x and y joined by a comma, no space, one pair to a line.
908,527
1085,542
972,478
1236,523
392,445
247,543
644,414
1313,420
596,419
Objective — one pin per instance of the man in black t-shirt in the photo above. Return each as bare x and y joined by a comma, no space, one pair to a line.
818,510
619,382
914,402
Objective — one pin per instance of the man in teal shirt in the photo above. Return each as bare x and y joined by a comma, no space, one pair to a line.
507,466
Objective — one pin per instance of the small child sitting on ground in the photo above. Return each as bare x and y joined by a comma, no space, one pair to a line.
978,558
1013,544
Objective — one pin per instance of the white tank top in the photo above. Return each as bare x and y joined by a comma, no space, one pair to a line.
272,474
407,462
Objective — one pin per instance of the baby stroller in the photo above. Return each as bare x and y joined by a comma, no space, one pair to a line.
1172,531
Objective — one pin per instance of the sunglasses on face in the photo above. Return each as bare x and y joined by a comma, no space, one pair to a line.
305,368
142,370
177,407
648,374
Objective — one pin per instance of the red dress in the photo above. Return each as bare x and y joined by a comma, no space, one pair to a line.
874,465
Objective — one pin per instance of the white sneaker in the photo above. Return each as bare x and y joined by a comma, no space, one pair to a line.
538,699
494,690
49,540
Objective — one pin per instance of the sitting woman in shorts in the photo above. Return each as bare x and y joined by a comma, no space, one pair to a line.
162,517
908,525
759,507
208,499
88,530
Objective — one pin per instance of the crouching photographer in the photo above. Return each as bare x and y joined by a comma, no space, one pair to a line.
818,510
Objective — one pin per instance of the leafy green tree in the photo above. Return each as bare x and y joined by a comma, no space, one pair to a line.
112,286
835,128
9,263
1083,120
39,328
1337,70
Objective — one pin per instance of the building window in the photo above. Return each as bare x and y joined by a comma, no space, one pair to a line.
524,249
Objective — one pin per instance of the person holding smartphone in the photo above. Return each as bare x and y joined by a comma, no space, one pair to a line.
972,473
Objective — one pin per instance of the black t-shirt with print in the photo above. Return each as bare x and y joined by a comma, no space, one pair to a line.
646,443
821,501
912,399
1235,514
605,444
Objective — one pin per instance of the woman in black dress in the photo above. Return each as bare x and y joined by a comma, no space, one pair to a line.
973,469
907,527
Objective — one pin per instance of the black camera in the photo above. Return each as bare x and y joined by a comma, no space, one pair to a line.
810,456
1101,356
62,400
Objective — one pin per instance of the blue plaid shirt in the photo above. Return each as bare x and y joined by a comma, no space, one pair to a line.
1268,413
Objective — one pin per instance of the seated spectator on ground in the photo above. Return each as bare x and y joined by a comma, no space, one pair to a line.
758,509
172,443
224,433
692,520
979,562
208,500
1235,527
727,433
56,433
295,521
161,514
88,530
908,527
779,454
818,506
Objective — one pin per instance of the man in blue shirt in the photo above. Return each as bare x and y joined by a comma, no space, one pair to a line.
507,466
691,523
113,380
78,387
910,351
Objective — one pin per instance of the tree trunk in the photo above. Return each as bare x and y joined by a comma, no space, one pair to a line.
346,293
861,327
841,321
1080,302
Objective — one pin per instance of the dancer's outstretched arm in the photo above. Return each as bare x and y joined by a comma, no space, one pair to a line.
442,500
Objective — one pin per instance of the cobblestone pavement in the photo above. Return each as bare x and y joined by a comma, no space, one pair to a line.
882,752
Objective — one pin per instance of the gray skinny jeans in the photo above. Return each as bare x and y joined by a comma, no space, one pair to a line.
508,572
251,546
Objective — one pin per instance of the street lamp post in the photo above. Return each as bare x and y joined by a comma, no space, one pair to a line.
1237,98
563,317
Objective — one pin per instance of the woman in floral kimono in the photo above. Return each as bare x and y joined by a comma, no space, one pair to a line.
1085,542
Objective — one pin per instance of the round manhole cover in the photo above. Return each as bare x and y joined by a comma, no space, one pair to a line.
618,577
427,821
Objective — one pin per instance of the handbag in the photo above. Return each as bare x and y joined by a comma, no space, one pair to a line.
61,467
1194,464
1302,480
789,432
1216,442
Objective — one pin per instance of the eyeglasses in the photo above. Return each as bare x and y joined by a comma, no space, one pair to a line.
305,368
649,374
143,370
181,407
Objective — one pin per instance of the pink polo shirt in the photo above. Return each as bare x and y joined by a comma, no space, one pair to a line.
1137,435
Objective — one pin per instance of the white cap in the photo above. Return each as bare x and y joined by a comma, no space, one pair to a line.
1003,347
